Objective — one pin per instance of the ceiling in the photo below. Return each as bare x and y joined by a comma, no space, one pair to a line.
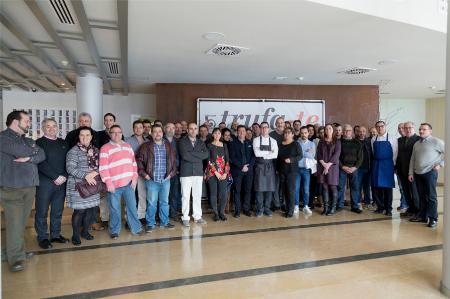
161,42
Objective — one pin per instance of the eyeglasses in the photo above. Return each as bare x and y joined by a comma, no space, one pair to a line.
116,133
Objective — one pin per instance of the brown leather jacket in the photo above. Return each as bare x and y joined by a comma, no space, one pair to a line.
145,158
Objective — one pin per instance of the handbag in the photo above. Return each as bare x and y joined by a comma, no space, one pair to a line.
85,190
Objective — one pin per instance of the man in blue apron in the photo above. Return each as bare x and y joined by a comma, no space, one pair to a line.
385,150
266,150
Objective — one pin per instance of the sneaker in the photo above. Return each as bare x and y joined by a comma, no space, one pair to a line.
149,228
186,223
200,221
296,209
114,236
258,215
168,226
307,211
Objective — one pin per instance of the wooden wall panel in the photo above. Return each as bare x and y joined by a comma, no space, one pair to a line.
354,104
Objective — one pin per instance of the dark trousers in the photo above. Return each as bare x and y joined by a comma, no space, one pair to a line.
382,198
364,185
263,201
242,184
315,189
410,193
217,190
354,188
287,182
82,218
17,203
426,187
278,194
174,196
49,195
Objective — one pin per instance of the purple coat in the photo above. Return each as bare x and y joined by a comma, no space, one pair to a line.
328,152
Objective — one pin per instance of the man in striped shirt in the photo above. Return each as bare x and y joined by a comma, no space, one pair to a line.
118,171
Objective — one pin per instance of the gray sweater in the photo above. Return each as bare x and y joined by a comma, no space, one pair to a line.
427,153
18,174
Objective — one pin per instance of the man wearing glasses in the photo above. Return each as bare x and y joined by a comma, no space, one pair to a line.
405,148
118,170
385,149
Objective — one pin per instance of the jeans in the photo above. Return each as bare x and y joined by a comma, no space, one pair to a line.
157,192
302,183
364,185
242,181
142,197
49,195
354,189
17,203
115,211
174,196
426,187
193,183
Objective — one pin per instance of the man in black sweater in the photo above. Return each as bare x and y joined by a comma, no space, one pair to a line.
350,160
278,196
405,149
52,187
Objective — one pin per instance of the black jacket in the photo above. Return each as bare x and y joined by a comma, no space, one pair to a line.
191,163
55,163
405,149
72,138
367,153
241,154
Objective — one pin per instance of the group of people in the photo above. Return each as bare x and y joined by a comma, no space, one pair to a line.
160,170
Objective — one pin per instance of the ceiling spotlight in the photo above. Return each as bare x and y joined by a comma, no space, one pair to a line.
300,78
63,84
213,36
432,87
280,78
65,63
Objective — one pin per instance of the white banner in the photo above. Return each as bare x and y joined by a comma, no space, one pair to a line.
248,111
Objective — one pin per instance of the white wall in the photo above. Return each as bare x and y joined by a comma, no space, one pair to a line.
121,106
395,111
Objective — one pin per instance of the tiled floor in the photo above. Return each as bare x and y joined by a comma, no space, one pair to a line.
343,256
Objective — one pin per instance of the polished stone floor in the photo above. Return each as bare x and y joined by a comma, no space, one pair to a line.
342,256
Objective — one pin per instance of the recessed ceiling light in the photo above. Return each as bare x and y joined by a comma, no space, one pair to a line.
213,36
63,84
387,61
280,78
432,87
65,62
300,78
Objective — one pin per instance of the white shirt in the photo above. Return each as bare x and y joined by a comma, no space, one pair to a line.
392,140
265,154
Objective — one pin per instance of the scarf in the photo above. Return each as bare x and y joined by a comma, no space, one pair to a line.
92,155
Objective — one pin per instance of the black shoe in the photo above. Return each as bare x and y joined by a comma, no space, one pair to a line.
216,218
236,215
388,213
87,236
45,244
377,211
143,221
168,226
60,239
17,266
76,241
126,226
289,215
116,236
149,229
339,209
417,219
432,224
248,214
268,214
356,210
223,217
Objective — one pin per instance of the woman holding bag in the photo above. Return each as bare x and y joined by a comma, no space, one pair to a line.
82,167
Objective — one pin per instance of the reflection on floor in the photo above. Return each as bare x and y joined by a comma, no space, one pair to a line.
342,256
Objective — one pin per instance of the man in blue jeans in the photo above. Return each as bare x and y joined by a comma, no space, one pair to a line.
156,161
307,166
350,160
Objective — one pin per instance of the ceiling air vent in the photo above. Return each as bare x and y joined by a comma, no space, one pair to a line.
62,11
226,50
356,70
113,68
440,91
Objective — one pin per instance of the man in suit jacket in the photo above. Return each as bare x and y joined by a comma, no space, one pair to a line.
192,153
405,149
